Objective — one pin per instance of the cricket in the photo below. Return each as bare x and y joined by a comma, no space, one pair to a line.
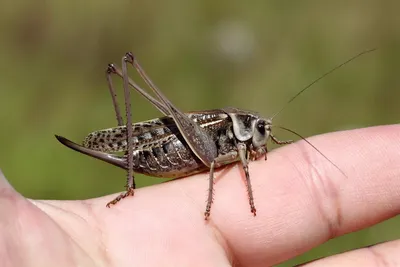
180,144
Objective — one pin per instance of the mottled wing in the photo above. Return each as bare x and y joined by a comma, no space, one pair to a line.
201,143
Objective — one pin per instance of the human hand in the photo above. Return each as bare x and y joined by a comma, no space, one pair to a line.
301,199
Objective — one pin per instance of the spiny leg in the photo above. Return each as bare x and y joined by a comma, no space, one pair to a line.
242,155
130,182
113,69
109,71
255,154
210,191
135,63
266,153
221,159
198,139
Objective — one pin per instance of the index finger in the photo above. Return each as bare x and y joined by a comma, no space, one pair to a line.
303,201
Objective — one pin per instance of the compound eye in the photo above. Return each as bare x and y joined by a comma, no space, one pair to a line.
261,126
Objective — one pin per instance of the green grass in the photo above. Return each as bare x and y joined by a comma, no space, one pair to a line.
203,55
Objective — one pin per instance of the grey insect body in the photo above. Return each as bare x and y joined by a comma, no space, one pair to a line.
179,144
159,148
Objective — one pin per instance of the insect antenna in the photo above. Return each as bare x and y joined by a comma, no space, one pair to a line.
316,149
321,77
304,89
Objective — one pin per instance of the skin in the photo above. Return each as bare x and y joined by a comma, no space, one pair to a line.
301,199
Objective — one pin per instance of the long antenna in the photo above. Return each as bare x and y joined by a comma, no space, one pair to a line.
321,77
316,149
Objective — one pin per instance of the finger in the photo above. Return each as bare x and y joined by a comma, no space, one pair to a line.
8,197
28,236
4,184
385,254
303,201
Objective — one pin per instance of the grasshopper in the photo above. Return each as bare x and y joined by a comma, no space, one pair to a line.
181,144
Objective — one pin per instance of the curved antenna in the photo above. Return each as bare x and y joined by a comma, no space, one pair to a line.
316,149
320,78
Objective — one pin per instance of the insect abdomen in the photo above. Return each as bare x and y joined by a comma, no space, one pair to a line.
107,140
159,148
144,134
172,159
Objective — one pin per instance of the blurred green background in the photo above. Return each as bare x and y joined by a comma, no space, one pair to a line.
203,55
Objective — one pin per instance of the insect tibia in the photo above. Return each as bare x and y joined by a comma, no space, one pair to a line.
107,140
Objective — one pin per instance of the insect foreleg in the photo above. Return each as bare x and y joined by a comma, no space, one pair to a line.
216,163
242,155
255,154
